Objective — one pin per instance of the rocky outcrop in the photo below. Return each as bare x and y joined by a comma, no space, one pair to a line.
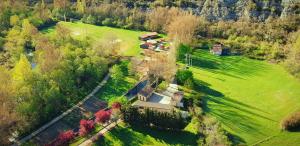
259,10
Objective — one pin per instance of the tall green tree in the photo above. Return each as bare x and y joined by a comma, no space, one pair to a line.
116,73
293,61
15,43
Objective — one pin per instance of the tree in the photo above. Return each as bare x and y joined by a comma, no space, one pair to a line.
9,118
160,18
22,70
214,134
116,73
116,105
81,6
108,46
183,28
102,116
157,19
133,65
28,30
293,61
15,43
65,137
61,7
116,111
182,76
163,65
14,20
182,51
86,126
49,57
63,34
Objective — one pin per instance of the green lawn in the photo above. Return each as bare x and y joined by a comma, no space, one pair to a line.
128,38
113,90
135,136
248,97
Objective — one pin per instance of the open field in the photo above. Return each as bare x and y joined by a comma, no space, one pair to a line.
133,136
128,38
248,97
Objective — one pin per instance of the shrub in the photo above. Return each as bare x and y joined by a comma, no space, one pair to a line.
183,75
189,83
102,116
292,122
148,118
86,126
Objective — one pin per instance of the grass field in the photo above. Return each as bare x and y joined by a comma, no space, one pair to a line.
248,97
134,136
112,91
128,38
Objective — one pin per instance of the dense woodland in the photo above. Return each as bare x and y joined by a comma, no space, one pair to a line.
36,88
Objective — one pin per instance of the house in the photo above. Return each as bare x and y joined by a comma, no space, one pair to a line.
219,49
148,36
166,101
145,93
216,49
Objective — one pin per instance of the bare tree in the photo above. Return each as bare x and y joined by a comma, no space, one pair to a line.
62,32
48,56
163,65
108,46
182,28
159,18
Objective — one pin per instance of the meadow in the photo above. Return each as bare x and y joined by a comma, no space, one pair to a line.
128,39
249,97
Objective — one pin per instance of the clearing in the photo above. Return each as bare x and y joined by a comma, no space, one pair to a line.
249,97
128,39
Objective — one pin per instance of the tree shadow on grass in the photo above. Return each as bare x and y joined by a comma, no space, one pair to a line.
137,135
205,63
220,98
237,115
233,66
235,139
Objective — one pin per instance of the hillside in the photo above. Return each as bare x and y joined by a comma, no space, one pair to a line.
258,10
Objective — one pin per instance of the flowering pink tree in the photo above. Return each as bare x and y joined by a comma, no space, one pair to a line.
116,105
102,116
63,138
86,126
